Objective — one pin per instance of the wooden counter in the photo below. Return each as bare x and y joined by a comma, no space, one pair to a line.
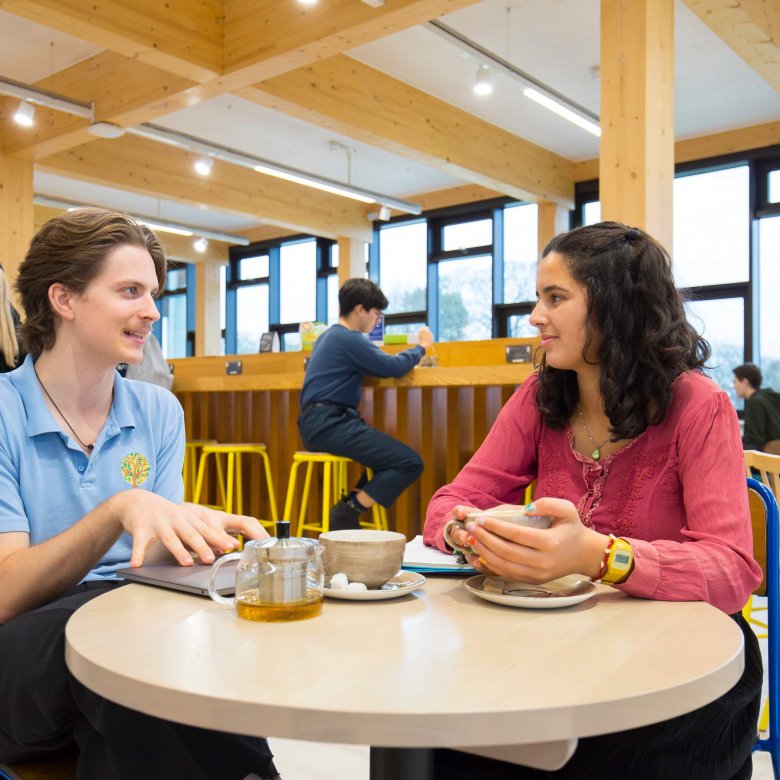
444,412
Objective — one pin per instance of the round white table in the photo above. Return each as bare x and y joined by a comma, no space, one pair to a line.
437,668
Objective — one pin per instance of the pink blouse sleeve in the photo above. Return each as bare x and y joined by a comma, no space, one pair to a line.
500,469
714,563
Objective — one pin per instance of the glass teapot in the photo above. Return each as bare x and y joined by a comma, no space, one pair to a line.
277,579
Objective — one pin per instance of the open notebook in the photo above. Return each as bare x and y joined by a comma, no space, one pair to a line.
419,557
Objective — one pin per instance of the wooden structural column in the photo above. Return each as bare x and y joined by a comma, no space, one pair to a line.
636,168
551,219
207,325
16,212
352,259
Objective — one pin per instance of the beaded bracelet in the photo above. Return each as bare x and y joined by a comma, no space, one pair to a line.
605,561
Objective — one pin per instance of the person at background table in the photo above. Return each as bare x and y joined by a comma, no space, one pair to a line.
90,482
762,409
626,438
329,419
9,325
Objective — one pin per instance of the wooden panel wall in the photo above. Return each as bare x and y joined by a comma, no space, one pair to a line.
444,414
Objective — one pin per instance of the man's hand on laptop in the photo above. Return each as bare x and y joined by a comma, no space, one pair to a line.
150,519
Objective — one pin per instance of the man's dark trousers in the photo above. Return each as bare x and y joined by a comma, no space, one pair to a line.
340,430
43,709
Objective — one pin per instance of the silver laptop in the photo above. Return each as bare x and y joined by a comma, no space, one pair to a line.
190,579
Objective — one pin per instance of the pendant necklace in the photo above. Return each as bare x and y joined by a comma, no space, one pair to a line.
89,447
596,454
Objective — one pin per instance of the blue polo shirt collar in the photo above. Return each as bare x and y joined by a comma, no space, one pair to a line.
40,419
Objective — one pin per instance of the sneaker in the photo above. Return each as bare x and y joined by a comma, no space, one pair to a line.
344,516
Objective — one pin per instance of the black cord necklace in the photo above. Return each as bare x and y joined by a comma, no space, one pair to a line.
89,447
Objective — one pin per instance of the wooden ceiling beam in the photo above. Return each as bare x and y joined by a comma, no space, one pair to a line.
750,27
125,92
138,165
345,96
181,36
266,37
129,88
701,147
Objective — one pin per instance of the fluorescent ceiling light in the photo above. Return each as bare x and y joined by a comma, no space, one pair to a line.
155,223
166,228
208,149
484,82
25,114
562,111
563,106
313,183
260,165
203,166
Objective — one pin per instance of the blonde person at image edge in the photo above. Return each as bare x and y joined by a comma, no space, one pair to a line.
634,451
9,323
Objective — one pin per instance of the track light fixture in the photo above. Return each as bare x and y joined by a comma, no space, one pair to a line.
484,81
203,166
208,150
25,114
201,245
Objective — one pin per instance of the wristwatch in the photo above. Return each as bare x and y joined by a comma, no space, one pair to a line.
619,563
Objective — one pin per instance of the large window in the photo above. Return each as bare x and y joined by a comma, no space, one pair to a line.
521,250
769,311
276,285
465,299
403,252
297,284
176,338
252,298
712,227
710,256
463,253
721,322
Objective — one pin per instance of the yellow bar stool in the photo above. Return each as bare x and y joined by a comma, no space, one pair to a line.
192,450
334,485
230,484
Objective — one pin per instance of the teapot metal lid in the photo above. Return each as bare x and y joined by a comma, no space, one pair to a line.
284,547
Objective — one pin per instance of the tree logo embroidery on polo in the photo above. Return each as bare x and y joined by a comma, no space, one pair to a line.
135,468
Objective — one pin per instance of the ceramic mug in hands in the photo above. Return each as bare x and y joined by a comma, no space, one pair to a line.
515,514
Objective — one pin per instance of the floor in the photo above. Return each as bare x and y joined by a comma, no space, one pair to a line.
322,761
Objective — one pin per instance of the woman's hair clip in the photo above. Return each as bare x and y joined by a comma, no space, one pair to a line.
632,235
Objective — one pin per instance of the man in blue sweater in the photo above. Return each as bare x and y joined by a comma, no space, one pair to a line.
329,420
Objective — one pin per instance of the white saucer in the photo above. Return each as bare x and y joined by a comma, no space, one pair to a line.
563,592
404,582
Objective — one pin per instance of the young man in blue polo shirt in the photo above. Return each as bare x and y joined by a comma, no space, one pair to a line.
329,420
90,482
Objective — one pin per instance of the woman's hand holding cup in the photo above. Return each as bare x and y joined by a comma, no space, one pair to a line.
546,540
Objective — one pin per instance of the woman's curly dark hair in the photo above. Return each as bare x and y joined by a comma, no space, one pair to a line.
639,315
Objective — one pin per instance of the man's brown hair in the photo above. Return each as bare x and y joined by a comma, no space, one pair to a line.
70,250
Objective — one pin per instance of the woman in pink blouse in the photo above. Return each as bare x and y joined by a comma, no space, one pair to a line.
637,458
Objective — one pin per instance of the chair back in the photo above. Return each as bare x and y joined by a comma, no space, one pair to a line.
763,511
768,466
